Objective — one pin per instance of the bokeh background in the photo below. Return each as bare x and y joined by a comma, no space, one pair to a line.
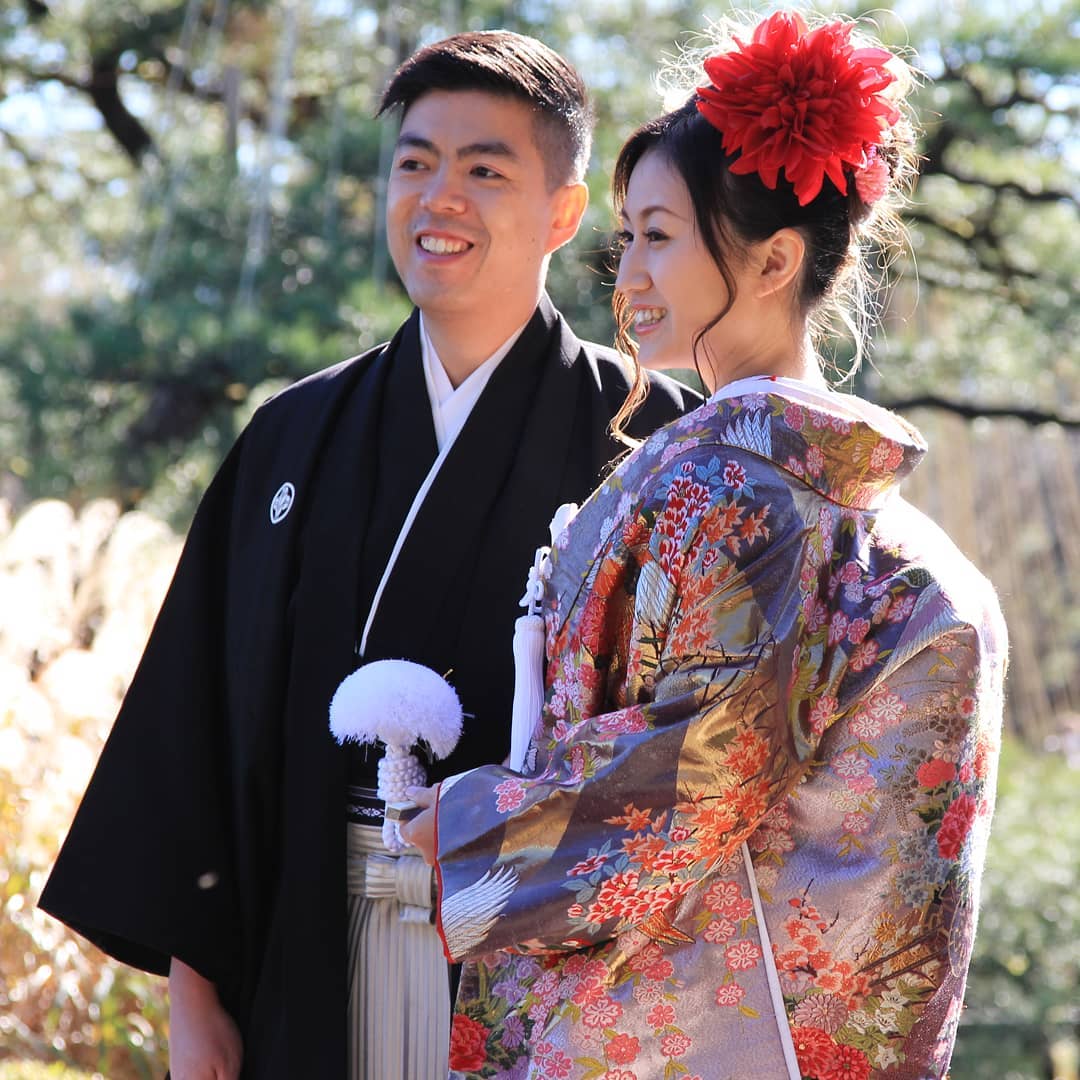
190,204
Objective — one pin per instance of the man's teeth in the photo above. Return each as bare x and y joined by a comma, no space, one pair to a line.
438,245
649,316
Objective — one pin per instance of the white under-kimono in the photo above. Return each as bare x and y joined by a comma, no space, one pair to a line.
751,842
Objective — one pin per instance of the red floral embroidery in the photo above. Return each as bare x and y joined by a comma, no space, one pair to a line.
593,624
468,1043
623,1049
734,475
553,1063
675,1044
625,722
587,866
794,417
820,713
955,826
685,502
848,1063
886,456
935,772
601,1013
510,794
660,1015
864,655
814,1050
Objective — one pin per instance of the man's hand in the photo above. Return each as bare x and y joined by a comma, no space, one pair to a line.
420,832
204,1042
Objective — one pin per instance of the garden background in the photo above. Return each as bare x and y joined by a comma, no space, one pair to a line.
190,207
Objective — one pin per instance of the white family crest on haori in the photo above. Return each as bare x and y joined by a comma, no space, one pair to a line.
399,704
529,646
282,502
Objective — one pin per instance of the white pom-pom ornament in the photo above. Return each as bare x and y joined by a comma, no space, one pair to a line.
399,704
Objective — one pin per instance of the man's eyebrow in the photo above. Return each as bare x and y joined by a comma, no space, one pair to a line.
489,148
482,148
417,142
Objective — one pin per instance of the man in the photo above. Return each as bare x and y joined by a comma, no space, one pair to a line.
387,507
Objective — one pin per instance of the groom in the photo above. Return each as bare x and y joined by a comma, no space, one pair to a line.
385,507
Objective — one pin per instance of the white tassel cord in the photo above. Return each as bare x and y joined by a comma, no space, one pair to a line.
529,663
528,686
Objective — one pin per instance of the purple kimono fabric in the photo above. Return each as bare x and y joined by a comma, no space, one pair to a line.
751,842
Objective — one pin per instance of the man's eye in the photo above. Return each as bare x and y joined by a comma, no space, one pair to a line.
485,173
409,165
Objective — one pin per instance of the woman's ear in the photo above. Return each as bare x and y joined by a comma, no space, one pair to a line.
780,259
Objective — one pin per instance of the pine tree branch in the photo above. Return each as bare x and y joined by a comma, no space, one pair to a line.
974,412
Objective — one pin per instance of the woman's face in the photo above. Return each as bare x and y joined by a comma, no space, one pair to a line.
672,284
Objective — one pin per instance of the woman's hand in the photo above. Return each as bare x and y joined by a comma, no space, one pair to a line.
204,1041
420,832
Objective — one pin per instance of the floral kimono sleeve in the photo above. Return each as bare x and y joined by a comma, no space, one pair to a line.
635,805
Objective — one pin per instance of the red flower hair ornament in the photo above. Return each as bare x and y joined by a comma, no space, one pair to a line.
804,101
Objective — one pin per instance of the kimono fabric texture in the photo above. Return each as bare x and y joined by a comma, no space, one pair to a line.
752,841
236,862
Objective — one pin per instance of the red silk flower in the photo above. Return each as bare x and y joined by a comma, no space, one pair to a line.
800,100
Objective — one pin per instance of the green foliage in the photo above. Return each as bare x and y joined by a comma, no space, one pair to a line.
167,256
1021,999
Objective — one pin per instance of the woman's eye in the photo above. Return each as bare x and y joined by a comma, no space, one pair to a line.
655,236
623,238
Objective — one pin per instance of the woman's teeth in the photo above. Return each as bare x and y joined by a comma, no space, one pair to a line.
648,316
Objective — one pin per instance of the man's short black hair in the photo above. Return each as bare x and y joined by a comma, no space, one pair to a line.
509,65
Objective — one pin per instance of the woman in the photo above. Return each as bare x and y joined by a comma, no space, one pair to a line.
751,842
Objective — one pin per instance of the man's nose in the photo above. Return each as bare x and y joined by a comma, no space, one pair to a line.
443,193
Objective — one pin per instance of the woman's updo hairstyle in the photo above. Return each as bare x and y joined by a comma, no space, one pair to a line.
850,238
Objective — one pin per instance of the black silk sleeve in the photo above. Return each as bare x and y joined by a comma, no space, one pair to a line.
146,871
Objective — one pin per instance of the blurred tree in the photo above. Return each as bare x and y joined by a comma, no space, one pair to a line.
1022,1010
190,203
989,317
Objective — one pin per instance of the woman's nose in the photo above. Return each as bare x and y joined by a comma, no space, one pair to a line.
632,276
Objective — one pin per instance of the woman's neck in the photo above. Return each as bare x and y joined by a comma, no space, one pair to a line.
791,359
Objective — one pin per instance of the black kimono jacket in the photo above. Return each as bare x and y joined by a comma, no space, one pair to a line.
213,827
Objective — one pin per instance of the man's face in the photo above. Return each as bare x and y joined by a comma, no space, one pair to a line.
469,219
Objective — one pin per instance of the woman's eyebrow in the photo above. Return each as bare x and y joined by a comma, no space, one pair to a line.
653,209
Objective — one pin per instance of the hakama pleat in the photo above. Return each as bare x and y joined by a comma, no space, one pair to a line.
399,995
